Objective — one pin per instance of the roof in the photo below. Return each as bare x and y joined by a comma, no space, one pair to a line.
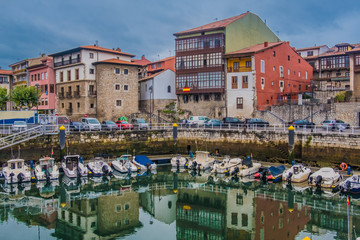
164,60
334,51
214,25
92,47
310,48
6,72
153,75
118,61
143,61
255,48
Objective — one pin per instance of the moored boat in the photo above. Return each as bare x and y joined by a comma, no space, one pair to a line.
98,167
72,166
179,162
325,177
226,165
202,161
274,174
247,168
144,163
46,169
16,171
124,164
297,173
350,185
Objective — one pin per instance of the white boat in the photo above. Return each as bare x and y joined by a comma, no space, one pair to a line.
144,163
202,161
325,177
226,165
351,185
46,169
297,173
179,161
98,167
247,168
123,164
72,167
16,171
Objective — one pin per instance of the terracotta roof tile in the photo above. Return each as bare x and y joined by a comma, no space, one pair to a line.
255,48
164,59
142,62
118,61
6,72
214,25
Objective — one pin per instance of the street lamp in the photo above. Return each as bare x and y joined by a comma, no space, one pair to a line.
37,101
150,90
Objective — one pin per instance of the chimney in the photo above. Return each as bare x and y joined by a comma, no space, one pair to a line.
266,44
143,57
118,49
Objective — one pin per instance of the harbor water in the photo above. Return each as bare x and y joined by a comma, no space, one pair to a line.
170,204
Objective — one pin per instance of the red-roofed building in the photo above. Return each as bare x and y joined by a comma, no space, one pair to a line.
5,79
143,62
200,63
77,79
263,75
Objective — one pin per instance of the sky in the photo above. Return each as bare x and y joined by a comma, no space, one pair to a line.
143,27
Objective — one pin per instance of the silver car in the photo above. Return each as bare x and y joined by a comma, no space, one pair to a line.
19,126
338,125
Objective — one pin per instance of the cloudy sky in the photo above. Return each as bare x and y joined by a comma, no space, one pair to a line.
29,28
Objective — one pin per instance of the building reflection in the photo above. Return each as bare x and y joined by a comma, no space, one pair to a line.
107,215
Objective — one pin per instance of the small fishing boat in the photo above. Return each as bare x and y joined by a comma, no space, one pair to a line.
325,177
124,164
202,161
46,169
179,161
274,174
72,166
247,168
98,167
226,165
16,171
144,163
350,185
297,173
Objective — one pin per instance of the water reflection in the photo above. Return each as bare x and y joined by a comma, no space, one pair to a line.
187,206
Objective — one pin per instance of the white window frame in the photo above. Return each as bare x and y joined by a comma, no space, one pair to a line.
281,70
116,103
117,70
262,66
126,86
117,85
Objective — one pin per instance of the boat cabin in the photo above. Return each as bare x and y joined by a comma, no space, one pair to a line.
202,156
16,164
71,161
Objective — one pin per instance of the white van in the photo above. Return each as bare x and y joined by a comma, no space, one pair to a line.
197,120
91,124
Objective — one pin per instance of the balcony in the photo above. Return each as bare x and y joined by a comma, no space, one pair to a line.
68,95
67,62
61,95
77,94
92,93
239,69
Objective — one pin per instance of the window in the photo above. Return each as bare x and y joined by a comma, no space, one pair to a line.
281,69
299,87
289,72
117,70
62,105
234,82
126,71
153,66
52,88
262,81
239,199
42,76
93,224
91,105
76,74
69,75
78,106
126,206
299,73
78,220
234,219
159,65
61,76
91,71
118,208
244,220
185,98
288,57
196,98
262,66
118,224
91,55
126,87
118,103
236,65
169,89
310,53
248,64
281,84
239,103
46,75
127,221
206,97
117,86
306,75
245,82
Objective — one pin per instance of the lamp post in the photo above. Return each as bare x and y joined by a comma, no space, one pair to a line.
37,101
150,90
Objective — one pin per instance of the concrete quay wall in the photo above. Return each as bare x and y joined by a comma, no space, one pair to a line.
315,149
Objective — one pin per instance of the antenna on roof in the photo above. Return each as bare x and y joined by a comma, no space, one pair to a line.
215,19
169,53
96,43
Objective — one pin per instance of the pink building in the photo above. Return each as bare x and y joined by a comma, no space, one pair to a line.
43,76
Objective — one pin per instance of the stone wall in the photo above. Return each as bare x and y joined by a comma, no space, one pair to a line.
314,149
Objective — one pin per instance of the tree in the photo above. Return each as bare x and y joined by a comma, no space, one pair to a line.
4,98
25,96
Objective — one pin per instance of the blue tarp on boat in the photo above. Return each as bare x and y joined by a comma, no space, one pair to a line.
143,160
276,170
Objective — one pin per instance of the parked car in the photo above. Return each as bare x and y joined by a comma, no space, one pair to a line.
197,120
123,125
19,126
250,122
213,123
109,126
232,121
91,124
76,126
328,124
302,124
140,123
62,120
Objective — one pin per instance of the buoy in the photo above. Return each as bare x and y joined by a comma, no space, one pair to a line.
343,166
